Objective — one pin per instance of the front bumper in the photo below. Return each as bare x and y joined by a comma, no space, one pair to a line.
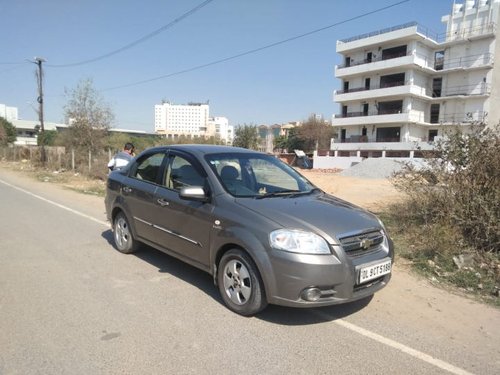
334,275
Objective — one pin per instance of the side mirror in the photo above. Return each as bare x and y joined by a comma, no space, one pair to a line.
193,193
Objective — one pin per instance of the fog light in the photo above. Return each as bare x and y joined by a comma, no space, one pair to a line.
311,294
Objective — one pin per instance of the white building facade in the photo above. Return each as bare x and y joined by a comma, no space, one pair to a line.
174,120
402,87
9,113
192,120
219,128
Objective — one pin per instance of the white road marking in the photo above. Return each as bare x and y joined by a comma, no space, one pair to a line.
398,346
56,204
374,336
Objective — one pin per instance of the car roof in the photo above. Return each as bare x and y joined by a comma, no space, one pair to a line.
203,149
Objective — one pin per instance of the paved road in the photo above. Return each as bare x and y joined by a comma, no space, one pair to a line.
71,304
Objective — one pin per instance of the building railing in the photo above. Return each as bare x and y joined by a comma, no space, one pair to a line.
370,113
462,118
373,59
466,33
372,87
469,61
378,32
429,34
466,90
365,139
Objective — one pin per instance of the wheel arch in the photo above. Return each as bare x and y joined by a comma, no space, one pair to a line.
259,257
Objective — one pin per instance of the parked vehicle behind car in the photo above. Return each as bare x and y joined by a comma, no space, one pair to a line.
263,231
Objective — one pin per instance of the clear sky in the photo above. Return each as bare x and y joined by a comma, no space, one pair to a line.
283,83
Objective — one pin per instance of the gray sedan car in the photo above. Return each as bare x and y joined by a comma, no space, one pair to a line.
263,231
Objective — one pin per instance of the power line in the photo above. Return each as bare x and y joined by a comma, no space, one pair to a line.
257,49
136,42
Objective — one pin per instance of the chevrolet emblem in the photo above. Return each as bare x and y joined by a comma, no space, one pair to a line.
366,243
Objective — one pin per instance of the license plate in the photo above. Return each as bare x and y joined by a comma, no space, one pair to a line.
368,273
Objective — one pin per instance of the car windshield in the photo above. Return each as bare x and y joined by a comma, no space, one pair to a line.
257,175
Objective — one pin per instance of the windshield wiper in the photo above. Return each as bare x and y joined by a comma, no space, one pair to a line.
277,193
313,190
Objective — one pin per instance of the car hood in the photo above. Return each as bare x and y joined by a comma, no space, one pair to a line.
321,213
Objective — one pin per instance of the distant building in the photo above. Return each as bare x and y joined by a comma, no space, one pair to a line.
402,87
268,133
192,120
9,113
27,130
219,127
174,120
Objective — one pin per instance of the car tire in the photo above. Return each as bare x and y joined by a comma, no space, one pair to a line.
240,284
122,235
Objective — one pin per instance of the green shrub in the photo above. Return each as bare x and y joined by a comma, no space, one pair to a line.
460,188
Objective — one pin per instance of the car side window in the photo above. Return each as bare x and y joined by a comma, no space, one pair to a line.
180,173
147,168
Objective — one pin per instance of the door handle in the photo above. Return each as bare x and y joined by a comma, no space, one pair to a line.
127,189
162,202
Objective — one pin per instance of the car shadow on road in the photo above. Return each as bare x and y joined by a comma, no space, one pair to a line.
170,265
306,316
273,314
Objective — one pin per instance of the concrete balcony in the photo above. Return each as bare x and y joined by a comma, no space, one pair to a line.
468,62
364,67
381,146
401,32
360,94
359,118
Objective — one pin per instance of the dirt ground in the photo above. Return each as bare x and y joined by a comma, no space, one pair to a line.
371,194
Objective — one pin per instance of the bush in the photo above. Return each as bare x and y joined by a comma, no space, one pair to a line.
460,188
452,212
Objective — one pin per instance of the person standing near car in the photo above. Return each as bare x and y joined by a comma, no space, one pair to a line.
122,158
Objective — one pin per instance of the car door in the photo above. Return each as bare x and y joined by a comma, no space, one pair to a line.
183,226
138,192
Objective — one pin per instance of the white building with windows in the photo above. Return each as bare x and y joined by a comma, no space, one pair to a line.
403,86
219,128
192,120
174,120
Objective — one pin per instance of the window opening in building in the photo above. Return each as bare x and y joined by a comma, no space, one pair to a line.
388,134
439,60
434,113
432,134
392,80
394,52
437,84
389,108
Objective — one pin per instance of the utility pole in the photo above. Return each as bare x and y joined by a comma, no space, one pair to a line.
39,61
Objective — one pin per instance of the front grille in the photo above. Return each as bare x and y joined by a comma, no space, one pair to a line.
361,244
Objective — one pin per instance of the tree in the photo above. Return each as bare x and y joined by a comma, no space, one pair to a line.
7,132
47,138
315,134
89,117
246,136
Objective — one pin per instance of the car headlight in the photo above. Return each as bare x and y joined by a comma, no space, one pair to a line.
298,241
